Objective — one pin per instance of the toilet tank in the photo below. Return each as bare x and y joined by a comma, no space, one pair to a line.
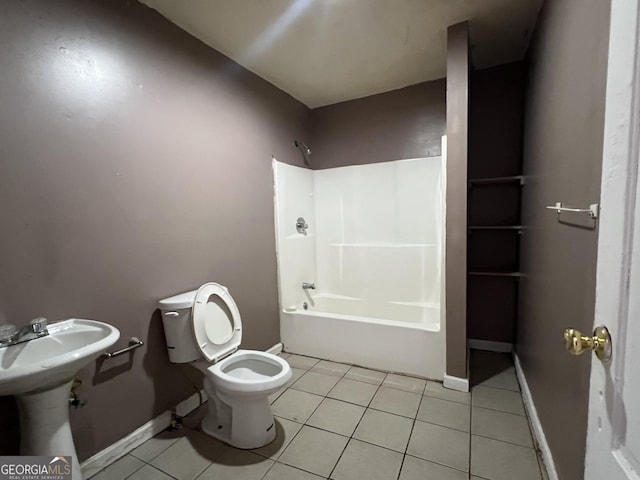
178,332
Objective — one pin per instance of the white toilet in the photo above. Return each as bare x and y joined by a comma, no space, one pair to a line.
203,327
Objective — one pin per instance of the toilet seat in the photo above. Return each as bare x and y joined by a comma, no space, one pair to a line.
215,321
250,371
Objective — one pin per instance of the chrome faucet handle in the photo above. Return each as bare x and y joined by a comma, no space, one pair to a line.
7,332
38,324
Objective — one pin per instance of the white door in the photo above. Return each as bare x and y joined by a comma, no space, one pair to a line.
613,440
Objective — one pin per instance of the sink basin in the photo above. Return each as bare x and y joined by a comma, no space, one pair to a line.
40,374
49,361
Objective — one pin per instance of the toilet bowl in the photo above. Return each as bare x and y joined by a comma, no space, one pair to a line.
203,328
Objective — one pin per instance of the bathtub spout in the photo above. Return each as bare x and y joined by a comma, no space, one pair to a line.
307,286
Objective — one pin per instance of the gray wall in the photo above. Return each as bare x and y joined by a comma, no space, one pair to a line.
135,163
456,215
405,123
564,119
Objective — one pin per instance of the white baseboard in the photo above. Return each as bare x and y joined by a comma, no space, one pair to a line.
456,383
538,431
187,406
276,349
113,452
490,346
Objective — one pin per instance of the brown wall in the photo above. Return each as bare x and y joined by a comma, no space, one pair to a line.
405,123
456,223
495,121
564,119
135,163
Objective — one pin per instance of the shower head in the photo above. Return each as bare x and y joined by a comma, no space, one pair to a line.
306,150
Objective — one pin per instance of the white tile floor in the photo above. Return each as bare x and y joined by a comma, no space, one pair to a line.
349,423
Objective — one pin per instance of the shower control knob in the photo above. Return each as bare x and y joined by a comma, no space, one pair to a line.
301,226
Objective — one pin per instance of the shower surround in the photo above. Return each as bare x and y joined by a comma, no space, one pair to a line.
374,250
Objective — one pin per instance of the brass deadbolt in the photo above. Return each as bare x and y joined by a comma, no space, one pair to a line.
600,342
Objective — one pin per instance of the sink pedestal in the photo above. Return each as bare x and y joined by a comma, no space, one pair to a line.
44,425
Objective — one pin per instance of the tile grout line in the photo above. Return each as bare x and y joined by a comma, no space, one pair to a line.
275,460
502,441
155,456
353,365
315,371
372,444
163,472
457,469
500,388
303,424
438,425
310,426
450,428
500,411
268,469
413,424
211,462
132,473
417,420
357,425
148,463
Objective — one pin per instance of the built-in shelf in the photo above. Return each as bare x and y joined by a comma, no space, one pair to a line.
495,274
497,180
384,245
495,227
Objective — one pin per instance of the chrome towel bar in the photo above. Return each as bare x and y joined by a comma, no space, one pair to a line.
593,209
134,342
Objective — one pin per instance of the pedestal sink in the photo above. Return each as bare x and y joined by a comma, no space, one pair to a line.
40,373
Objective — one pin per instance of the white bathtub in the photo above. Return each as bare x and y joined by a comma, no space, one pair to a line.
403,337
374,249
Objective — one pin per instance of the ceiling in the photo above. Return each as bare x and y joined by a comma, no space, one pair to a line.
328,51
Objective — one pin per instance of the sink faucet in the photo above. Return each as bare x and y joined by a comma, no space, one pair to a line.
308,286
10,335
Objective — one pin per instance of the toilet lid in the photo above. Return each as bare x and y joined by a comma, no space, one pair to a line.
216,321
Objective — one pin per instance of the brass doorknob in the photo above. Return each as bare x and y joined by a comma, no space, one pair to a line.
600,342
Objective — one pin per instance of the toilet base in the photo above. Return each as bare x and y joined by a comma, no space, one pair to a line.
242,423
